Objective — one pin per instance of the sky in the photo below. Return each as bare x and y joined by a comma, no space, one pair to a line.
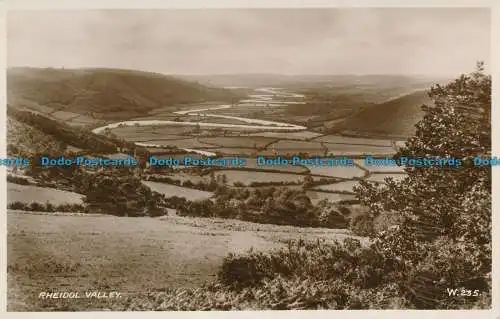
424,41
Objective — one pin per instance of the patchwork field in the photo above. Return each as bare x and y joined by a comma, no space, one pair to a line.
345,186
127,255
179,157
303,135
182,143
295,147
239,151
251,142
173,190
352,150
29,193
247,177
252,163
337,171
379,169
180,176
380,178
63,115
338,139
318,196
142,131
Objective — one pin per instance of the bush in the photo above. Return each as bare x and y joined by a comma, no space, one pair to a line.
49,207
37,207
17,180
362,225
18,205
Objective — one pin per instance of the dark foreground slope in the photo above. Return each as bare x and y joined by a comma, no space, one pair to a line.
29,133
394,118
111,93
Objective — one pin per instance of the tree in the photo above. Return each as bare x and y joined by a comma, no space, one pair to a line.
443,234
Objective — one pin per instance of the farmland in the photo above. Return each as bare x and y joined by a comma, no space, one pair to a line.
345,186
380,178
244,130
379,169
347,172
248,177
29,193
254,142
172,190
318,196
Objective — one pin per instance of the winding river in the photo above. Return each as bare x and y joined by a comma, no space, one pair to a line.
269,97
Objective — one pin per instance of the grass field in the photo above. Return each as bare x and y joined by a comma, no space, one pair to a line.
352,140
380,169
317,196
294,147
173,190
127,255
303,135
247,177
29,193
252,142
237,151
154,131
252,163
337,171
182,143
64,116
351,150
381,177
345,186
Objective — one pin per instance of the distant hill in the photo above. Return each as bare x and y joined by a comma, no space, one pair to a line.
109,93
394,118
30,132
308,80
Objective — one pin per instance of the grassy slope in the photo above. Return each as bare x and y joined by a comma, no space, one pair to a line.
31,132
128,255
111,93
396,117
27,139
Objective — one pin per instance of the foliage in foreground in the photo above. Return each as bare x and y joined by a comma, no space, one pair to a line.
310,276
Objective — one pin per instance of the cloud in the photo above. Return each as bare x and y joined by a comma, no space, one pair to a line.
300,41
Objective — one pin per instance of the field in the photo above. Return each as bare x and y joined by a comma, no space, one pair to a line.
29,193
295,147
352,150
381,177
173,190
127,255
247,177
352,140
303,135
250,142
337,171
182,143
317,196
345,186
133,132
252,163
380,169
241,151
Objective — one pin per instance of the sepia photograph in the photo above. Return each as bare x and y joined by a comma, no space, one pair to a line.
223,159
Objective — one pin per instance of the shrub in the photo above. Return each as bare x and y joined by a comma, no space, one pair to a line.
49,207
362,225
37,207
17,180
18,205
